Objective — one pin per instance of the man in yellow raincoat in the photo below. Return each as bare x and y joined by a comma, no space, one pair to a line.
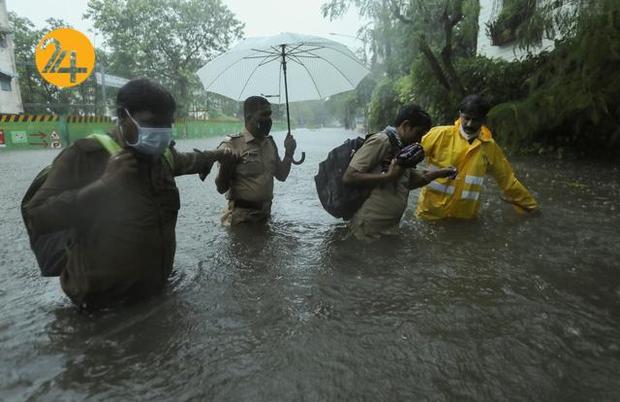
469,146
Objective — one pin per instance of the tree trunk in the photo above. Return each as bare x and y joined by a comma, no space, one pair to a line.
435,65
449,22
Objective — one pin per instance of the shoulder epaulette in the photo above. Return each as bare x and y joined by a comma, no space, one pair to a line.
231,137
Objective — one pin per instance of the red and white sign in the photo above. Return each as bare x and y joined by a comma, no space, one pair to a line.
55,140
2,142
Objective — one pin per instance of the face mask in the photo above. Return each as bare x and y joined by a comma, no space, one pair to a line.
151,140
468,137
263,127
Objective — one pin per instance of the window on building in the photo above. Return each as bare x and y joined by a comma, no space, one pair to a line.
3,39
5,82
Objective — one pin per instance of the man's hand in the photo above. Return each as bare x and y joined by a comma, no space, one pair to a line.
450,172
225,156
395,170
119,168
289,146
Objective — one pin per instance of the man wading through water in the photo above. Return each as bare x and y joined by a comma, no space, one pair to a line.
247,179
468,145
375,165
118,197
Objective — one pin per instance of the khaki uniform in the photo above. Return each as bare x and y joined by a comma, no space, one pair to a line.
383,209
251,188
124,243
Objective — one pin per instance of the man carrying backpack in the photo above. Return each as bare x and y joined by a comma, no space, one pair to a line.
115,201
376,165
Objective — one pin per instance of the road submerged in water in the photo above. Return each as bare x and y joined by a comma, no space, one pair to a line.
505,307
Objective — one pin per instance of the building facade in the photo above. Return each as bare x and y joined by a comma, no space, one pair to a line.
499,42
10,96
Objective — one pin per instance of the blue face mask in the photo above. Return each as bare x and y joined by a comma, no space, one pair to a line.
151,140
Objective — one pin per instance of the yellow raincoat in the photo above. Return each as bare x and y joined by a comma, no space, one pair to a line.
460,198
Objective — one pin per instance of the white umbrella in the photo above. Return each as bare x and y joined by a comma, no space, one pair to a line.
316,67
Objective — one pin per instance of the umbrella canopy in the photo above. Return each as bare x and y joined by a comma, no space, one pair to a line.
316,68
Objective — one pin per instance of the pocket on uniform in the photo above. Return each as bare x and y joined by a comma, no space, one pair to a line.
250,165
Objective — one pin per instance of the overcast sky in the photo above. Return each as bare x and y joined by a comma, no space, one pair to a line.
262,17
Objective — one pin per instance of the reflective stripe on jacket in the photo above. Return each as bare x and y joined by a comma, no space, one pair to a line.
460,198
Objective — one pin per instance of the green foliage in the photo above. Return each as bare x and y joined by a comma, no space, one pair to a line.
166,40
384,105
574,97
398,31
37,95
514,21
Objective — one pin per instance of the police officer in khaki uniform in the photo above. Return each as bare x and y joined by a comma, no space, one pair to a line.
374,165
247,179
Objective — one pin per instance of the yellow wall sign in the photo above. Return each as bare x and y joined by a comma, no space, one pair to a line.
65,57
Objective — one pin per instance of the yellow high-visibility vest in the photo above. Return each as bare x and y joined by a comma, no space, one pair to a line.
460,198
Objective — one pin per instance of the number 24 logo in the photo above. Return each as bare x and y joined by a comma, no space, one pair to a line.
57,55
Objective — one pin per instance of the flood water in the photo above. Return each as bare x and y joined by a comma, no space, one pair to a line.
502,308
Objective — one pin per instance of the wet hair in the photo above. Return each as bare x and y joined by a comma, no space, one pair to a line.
253,104
474,105
145,95
415,115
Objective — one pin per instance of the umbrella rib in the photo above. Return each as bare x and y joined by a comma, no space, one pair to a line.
266,51
295,53
279,48
337,69
261,56
222,73
249,78
305,56
273,58
294,58
345,55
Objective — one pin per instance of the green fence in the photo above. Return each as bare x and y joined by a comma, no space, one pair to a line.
46,131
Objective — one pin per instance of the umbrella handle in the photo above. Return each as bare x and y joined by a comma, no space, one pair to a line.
303,154
300,161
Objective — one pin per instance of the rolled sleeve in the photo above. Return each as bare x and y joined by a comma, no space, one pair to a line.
371,154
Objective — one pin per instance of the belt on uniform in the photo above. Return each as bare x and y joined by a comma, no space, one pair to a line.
249,204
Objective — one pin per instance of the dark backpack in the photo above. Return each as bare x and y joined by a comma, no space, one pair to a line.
50,249
339,199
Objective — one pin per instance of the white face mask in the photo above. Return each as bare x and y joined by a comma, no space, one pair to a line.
468,137
151,140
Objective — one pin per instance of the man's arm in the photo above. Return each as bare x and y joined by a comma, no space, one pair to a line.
512,190
226,169
196,162
64,202
353,176
372,153
283,167
422,178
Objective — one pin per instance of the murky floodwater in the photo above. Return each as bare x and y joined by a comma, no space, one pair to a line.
503,308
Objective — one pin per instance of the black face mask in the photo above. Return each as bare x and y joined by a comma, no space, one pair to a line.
263,127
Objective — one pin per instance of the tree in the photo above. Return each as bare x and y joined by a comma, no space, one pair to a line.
38,95
404,33
573,97
413,27
166,40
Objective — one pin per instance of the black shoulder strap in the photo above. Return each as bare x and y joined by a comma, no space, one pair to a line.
393,140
